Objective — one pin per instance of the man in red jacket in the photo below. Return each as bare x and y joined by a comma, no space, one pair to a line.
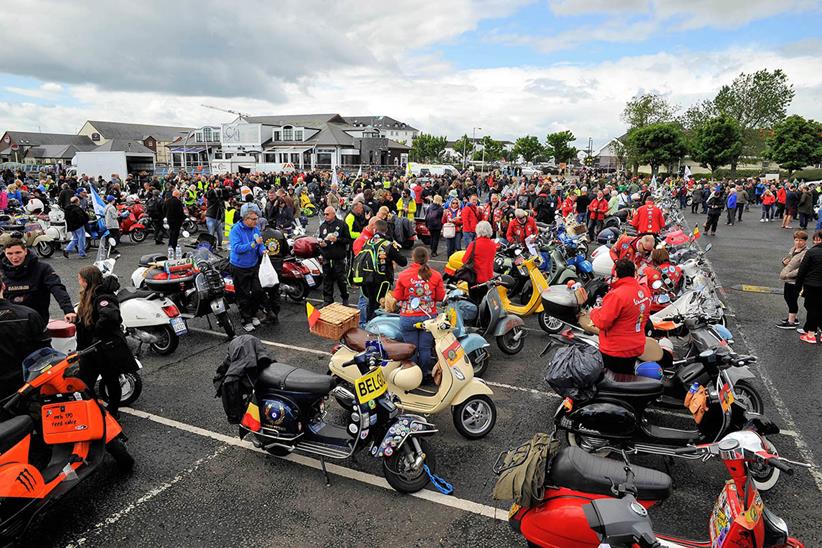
648,218
597,210
521,227
621,320
471,215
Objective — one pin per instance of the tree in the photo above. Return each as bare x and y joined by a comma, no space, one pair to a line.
717,142
647,109
620,153
657,144
696,115
489,149
529,148
795,143
463,146
557,145
427,148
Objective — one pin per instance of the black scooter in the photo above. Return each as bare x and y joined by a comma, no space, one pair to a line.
286,412
616,416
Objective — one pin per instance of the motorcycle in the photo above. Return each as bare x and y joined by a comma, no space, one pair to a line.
39,463
469,398
459,309
616,415
589,504
286,412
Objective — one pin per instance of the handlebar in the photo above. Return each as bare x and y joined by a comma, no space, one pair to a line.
777,463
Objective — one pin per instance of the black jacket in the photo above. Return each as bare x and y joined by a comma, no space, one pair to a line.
393,255
106,327
175,215
216,206
75,217
33,283
22,331
64,198
810,271
236,375
433,217
339,249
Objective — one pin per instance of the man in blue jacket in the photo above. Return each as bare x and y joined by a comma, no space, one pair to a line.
731,205
246,249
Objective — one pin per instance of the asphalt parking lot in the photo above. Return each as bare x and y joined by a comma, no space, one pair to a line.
196,483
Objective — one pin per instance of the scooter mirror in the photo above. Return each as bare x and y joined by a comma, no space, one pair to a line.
708,247
657,284
112,242
186,233
663,299
517,252
415,303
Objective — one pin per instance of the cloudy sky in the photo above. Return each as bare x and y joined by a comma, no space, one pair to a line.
511,67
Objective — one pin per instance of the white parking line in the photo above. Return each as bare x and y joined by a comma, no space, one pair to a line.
342,471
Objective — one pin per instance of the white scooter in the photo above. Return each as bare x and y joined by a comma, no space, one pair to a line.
149,318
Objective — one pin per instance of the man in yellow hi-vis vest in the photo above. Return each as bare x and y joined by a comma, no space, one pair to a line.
230,211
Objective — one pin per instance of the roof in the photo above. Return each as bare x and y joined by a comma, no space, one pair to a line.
122,145
304,120
379,122
57,151
31,138
137,132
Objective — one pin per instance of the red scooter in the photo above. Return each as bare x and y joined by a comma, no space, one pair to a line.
590,501
131,224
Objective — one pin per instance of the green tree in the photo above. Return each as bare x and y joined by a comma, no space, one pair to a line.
657,144
620,153
717,142
427,148
529,148
647,109
463,146
488,149
558,145
795,143
696,115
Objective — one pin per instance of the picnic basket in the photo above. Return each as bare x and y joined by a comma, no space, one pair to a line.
336,319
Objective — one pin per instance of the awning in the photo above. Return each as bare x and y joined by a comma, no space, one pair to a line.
188,149
287,150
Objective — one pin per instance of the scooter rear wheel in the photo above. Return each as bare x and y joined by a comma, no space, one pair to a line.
167,342
509,343
395,467
131,385
225,323
548,323
118,450
45,249
475,417
137,235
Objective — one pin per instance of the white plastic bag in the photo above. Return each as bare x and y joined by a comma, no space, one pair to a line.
449,230
268,276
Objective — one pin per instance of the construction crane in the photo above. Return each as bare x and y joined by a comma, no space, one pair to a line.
224,110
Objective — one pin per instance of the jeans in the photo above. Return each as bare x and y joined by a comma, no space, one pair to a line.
362,304
78,241
468,237
435,239
420,338
215,228
767,212
453,244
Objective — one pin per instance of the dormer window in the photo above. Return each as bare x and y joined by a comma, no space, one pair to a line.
298,134
288,133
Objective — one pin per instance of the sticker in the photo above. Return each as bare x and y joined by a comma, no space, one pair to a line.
104,303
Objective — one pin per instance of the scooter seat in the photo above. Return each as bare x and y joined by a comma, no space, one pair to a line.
286,377
356,338
146,260
629,385
125,295
14,430
575,469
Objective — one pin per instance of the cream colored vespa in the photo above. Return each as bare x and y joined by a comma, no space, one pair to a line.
473,410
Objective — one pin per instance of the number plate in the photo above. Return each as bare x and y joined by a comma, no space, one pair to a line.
370,386
179,326
310,280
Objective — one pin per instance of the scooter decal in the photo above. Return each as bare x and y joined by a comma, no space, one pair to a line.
453,353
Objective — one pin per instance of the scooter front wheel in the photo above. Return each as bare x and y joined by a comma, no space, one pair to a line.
399,469
119,452
137,235
45,249
225,323
479,361
549,323
512,342
131,386
475,417
764,476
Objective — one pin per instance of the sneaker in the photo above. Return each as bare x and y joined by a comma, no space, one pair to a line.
785,324
65,254
255,322
249,327
799,329
761,220
808,338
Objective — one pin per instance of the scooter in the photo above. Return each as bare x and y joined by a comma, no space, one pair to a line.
33,236
469,398
475,344
527,267
616,415
286,412
131,225
489,319
40,462
590,503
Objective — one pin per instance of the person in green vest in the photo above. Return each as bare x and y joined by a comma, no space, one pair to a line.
230,212
190,198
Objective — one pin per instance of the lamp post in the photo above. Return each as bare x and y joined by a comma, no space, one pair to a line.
185,147
473,144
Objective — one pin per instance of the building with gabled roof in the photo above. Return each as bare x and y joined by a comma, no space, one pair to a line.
154,137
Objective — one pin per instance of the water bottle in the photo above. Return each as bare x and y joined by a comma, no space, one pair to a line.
178,253
170,254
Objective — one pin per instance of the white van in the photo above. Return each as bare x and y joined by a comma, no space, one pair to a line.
422,170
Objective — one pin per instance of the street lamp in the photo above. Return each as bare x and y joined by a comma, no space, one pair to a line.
473,145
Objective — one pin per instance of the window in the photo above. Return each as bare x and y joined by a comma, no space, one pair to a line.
288,133
198,137
298,135
276,136
207,134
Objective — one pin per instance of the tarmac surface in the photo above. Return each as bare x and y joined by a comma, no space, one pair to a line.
196,484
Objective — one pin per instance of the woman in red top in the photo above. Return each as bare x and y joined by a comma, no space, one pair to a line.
596,214
768,200
781,198
483,250
569,205
453,215
419,281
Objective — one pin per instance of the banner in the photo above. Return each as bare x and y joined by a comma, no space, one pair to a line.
97,202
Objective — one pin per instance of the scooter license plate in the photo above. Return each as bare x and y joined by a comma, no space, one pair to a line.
179,326
218,306
310,280
370,386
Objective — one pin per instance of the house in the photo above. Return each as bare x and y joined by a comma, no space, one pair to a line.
42,148
194,149
299,141
152,137
389,127
611,156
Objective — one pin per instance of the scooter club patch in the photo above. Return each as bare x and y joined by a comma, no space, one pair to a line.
273,246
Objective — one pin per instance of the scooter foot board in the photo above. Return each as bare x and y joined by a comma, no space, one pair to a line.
670,434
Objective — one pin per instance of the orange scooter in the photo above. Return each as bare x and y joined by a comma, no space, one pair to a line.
41,462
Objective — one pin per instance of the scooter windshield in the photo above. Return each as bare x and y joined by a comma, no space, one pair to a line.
39,361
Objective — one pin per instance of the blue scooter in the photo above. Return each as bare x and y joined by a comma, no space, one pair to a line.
460,310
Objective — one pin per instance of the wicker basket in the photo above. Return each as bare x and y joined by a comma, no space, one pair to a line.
336,319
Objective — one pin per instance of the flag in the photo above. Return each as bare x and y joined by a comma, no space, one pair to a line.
359,171
313,314
653,182
334,180
99,206
251,419
697,233
687,175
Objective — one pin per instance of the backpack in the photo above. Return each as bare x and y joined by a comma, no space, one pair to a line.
155,208
522,470
365,268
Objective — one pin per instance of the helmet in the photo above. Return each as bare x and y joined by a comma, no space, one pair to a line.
652,370
406,378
